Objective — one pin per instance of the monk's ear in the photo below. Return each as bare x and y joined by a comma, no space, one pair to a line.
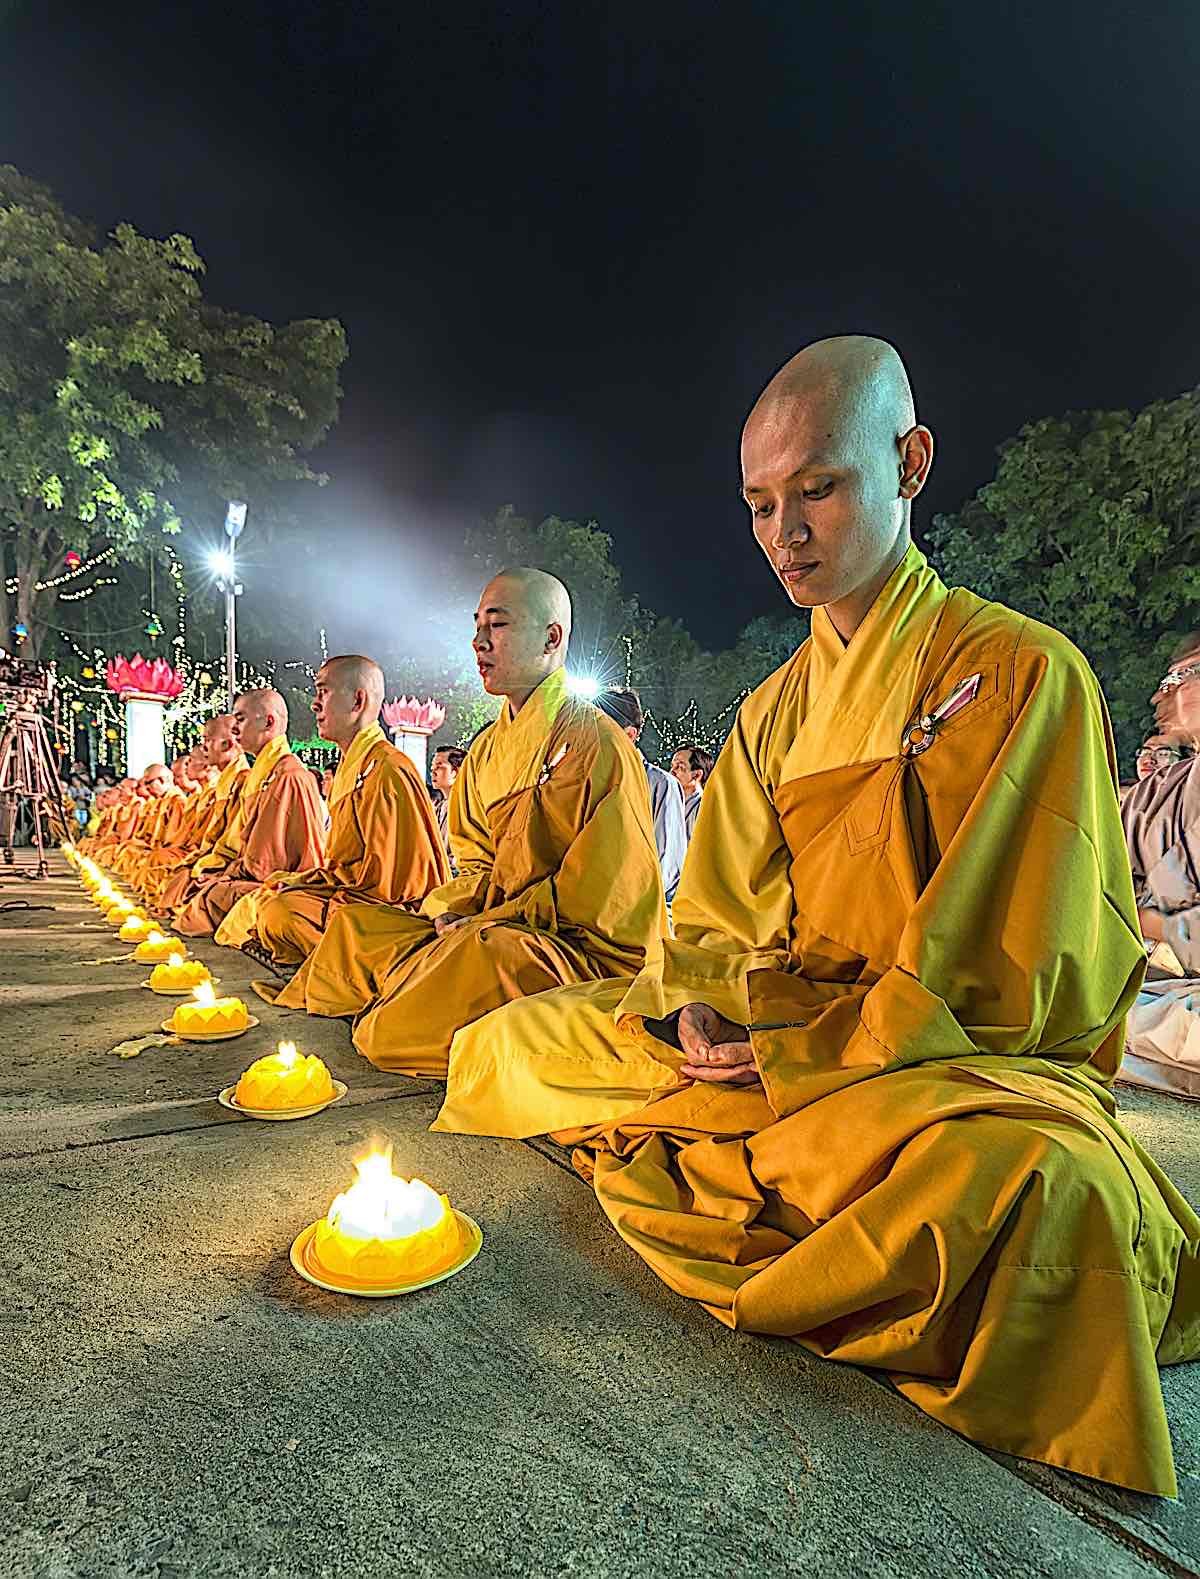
554,637
916,457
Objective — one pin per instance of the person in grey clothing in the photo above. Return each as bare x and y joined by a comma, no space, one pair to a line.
624,707
691,765
443,771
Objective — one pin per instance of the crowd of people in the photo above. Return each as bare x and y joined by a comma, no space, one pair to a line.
853,1088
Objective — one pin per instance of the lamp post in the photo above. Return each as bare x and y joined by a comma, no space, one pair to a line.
227,581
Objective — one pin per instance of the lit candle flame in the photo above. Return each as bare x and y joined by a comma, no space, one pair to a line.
176,960
156,936
204,994
378,1205
287,1054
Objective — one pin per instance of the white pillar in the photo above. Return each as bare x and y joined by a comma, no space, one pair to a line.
144,738
415,745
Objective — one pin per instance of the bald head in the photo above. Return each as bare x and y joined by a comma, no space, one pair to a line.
220,743
258,718
522,628
832,458
156,780
347,696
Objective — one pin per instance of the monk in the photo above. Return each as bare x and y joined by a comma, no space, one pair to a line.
127,809
197,780
159,794
383,843
281,825
215,822
905,947
558,876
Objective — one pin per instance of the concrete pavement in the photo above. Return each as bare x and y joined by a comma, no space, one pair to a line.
176,1401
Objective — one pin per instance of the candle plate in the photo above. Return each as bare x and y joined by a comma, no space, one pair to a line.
213,1036
302,1261
229,1100
179,992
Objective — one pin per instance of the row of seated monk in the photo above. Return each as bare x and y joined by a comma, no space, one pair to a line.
857,1092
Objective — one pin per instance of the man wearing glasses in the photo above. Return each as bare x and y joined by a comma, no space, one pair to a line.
1160,751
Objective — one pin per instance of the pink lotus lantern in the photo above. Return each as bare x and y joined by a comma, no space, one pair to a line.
411,723
145,685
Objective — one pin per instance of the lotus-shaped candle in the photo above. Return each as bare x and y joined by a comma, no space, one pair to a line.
148,677
177,974
285,1079
209,1016
104,894
135,928
120,911
413,717
156,946
385,1231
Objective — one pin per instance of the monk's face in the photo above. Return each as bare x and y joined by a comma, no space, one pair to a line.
181,772
823,489
220,747
253,724
515,647
337,706
156,782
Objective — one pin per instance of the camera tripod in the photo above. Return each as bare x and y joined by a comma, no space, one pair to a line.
28,774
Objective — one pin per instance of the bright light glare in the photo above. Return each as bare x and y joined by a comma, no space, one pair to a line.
584,686
220,562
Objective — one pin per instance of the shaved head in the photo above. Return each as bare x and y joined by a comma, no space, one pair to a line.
522,627
347,696
832,457
540,594
258,718
220,743
157,779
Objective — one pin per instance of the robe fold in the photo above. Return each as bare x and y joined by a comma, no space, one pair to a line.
909,882
558,881
280,827
383,848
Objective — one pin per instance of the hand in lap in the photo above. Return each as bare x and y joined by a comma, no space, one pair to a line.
716,1049
445,923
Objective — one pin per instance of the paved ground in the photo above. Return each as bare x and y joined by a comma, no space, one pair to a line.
176,1402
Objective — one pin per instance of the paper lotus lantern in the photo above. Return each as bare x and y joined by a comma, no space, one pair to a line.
153,678
408,716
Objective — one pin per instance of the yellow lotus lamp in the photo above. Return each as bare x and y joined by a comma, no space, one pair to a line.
135,928
207,1017
156,946
385,1235
178,974
120,911
285,1079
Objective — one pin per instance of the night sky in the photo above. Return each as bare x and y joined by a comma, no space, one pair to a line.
570,241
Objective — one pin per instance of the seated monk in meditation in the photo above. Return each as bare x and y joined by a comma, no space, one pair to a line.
159,795
209,844
905,945
193,776
128,804
282,828
383,845
558,876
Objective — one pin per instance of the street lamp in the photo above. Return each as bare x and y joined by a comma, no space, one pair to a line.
225,568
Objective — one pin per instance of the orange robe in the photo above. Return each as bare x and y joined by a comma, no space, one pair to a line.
384,848
173,849
283,831
182,882
559,881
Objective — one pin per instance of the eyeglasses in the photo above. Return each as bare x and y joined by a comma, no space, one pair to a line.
1163,755
1178,677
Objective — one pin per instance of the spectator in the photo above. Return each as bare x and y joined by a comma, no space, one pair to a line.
1161,751
666,796
443,770
691,765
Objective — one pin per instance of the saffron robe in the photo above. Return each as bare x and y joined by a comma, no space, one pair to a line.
1161,815
383,848
183,880
179,844
279,827
558,879
934,952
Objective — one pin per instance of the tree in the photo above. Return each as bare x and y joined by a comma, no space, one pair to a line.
1092,524
128,403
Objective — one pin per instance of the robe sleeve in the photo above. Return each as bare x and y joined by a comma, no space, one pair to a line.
287,831
402,855
1023,941
472,849
733,909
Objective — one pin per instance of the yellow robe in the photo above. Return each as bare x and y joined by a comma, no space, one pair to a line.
558,880
182,880
934,953
383,847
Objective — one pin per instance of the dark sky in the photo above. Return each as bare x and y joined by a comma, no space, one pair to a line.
571,241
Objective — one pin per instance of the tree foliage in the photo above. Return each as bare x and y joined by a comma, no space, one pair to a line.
127,402
1092,524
